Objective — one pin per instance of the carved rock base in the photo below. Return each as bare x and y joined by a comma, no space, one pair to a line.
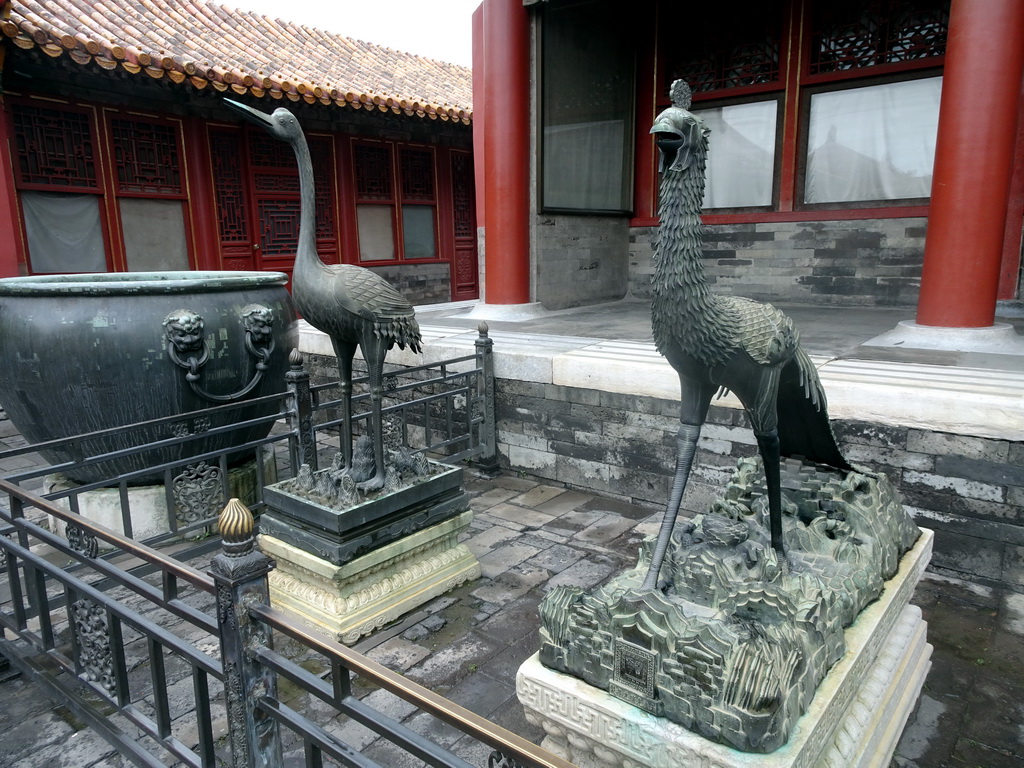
349,601
197,495
855,718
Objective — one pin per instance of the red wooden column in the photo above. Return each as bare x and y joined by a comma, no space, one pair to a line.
11,261
506,156
203,209
973,163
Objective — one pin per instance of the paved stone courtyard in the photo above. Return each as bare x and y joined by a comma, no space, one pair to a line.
468,644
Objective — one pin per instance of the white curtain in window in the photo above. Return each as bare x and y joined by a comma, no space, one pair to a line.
873,143
63,232
583,165
741,154
154,234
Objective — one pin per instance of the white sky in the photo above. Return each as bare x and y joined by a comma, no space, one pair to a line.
437,29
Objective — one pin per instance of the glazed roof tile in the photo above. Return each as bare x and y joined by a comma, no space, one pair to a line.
205,45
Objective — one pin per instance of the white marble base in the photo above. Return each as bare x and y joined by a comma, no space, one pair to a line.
855,719
349,601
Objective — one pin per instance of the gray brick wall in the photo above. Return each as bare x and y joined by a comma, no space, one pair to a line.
580,259
420,283
851,263
970,490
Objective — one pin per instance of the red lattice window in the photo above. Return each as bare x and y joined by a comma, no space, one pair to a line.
147,157
417,175
279,223
737,66
323,176
267,152
229,186
462,195
54,147
726,50
373,172
852,35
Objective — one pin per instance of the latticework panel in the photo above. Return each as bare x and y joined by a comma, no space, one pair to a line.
323,174
229,186
279,223
734,66
417,175
877,32
373,172
54,146
267,152
147,157
462,195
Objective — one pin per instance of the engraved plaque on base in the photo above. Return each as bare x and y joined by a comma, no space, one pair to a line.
633,680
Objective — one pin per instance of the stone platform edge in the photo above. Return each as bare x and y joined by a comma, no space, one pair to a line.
966,401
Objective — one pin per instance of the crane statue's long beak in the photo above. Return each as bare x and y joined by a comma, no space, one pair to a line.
260,118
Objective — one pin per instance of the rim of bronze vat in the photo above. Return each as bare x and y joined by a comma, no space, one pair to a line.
141,283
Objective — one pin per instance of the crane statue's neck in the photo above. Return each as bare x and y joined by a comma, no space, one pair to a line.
678,267
305,252
685,314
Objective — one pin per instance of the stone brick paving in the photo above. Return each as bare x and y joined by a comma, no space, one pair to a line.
468,644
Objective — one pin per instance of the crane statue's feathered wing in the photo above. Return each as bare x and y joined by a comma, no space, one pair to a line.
378,303
770,338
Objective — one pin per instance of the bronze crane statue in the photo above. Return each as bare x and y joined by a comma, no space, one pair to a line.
354,306
717,342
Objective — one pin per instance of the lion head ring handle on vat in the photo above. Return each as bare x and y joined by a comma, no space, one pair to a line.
187,346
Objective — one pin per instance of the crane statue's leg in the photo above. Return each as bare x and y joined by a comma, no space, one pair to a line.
375,350
695,398
768,445
686,448
345,351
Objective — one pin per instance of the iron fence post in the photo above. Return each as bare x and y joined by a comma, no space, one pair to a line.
300,414
488,460
240,573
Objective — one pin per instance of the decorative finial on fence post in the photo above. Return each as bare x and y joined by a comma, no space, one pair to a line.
236,529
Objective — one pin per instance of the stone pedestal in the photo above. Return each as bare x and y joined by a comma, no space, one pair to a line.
855,718
353,599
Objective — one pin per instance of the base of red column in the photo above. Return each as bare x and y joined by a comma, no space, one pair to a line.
999,339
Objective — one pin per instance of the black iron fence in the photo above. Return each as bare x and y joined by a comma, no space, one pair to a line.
176,657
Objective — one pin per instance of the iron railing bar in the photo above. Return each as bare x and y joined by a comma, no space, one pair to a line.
204,720
464,389
314,758
461,718
379,723
390,729
60,442
138,473
195,577
126,510
158,677
313,733
17,595
168,442
122,692
131,617
171,744
169,503
37,586
66,693
129,579
401,371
